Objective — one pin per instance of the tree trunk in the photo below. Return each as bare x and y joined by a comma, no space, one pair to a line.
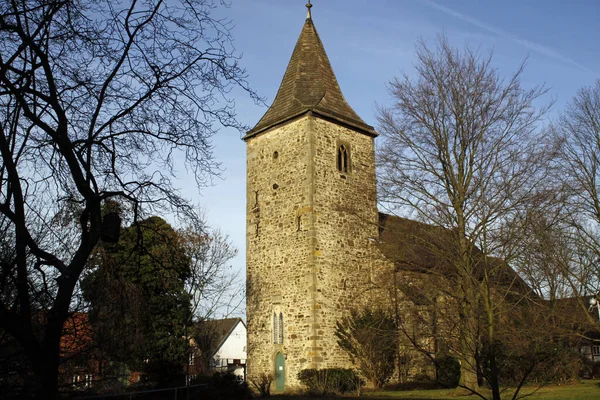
491,332
46,363
493,379
468,311
468,374
45,370
468,362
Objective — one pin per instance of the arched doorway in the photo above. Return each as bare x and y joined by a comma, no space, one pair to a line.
279,372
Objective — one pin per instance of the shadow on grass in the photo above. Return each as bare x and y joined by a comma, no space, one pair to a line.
344,397
363,397
585,390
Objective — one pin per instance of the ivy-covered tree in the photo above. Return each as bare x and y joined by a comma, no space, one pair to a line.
370,338
138,303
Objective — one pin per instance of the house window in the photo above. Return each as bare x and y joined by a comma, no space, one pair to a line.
88,380
191,359
190,379
596,350
278,328
343,158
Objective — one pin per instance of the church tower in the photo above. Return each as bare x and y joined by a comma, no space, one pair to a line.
311,216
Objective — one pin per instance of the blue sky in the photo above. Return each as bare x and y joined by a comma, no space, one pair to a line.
371,41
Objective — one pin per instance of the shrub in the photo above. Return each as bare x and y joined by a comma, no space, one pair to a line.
447,370
540,363
262,383
330,381
226,385
370,338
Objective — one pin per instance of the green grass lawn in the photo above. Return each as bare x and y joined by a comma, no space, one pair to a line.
586,390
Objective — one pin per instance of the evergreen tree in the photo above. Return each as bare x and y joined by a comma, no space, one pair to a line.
138,302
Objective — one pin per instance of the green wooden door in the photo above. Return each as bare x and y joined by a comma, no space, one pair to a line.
279,372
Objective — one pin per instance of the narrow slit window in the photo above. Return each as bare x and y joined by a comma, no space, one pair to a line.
275,329
343,159
280,333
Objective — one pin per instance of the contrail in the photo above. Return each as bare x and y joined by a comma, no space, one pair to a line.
535,47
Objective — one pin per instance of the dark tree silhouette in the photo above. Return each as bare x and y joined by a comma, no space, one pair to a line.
98,99
139,307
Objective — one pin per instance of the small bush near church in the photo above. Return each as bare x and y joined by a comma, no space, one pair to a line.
330,381
262,383
447,370
543,363
370,338
226,385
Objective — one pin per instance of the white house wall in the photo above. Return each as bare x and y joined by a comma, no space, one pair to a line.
234,347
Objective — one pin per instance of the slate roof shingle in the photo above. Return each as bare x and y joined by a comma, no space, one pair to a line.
309,85
215,332
419,247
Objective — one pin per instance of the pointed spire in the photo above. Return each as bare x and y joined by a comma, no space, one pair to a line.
308,7
309,85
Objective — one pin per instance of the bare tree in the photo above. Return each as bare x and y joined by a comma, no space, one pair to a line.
213,285
550,253
461,151
98,99
577,134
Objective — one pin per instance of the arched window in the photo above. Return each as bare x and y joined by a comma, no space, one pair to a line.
278,328
280,333
343,159
275,330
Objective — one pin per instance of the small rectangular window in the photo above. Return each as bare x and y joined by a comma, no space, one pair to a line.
596,350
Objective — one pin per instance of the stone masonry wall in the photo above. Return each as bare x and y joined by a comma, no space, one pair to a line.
346,225
308,241
278,270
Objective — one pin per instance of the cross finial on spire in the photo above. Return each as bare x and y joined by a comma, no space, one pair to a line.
308,6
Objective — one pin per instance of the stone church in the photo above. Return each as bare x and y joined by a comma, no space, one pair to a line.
312,219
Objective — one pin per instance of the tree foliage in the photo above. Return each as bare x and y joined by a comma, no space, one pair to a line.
98,100
138,303
370,337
